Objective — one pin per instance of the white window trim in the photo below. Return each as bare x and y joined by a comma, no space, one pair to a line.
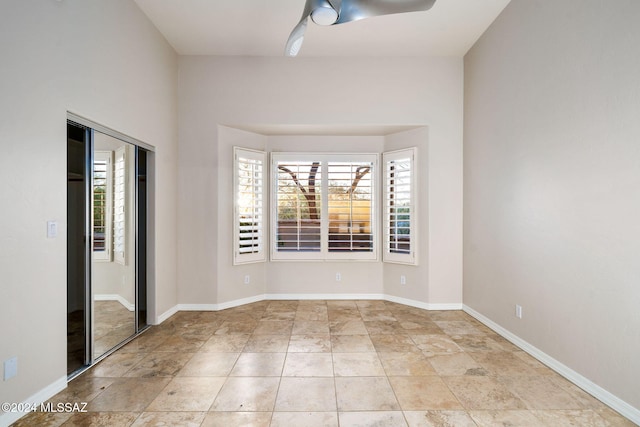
324,254
388,256
259,256
104,256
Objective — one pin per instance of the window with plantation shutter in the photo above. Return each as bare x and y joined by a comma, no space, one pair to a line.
102,195
349,194
323,206
400,207
249,174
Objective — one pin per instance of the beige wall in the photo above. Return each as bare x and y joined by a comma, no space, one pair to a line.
552,183
304,93
104,61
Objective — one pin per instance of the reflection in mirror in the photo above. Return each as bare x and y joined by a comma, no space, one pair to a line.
113,261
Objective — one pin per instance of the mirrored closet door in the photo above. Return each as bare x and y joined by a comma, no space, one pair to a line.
107,234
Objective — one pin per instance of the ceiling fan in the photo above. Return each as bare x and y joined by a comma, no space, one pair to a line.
332,12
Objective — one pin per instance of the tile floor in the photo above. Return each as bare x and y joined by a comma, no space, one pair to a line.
324,363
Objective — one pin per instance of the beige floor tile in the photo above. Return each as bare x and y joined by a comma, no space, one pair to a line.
357,365
225,343
423,393
405,364
144,343
312,313
483,393
101,419
377,327
371,305
365,394
160,365
308,365
482,343
128,394
513,418
347,327
372,418
209,365
306,394
232,419
456,364
183,419
259,365
614,419
267,344
570,418
394,343
377,315
310,344
308,360
435,345
502,363
539,392
235,327
273,327
306,419
438,419
187,394
279,315
458,327
83,389
247,394
419,327
116,365
585,400
351,344
43,419
310,327
538,367
187,344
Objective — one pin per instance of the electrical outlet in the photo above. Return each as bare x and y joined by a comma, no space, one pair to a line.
518,311
247,279
10,368
403,280
338,277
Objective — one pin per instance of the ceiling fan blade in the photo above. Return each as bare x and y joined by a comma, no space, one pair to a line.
354,10
294,43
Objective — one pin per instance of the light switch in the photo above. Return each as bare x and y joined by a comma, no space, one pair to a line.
10,368
52,229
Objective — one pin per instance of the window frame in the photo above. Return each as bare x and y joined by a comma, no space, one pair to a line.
389,255
260,255
324,254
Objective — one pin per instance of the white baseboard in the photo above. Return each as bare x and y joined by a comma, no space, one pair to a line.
423,305
115,297
272,297
164,316
8,418
587,385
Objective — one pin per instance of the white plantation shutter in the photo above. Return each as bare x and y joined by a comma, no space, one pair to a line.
298,206
350,196
249,188
102,215
119,206
400,207
323,206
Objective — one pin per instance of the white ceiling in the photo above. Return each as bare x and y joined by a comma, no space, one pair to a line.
261,28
